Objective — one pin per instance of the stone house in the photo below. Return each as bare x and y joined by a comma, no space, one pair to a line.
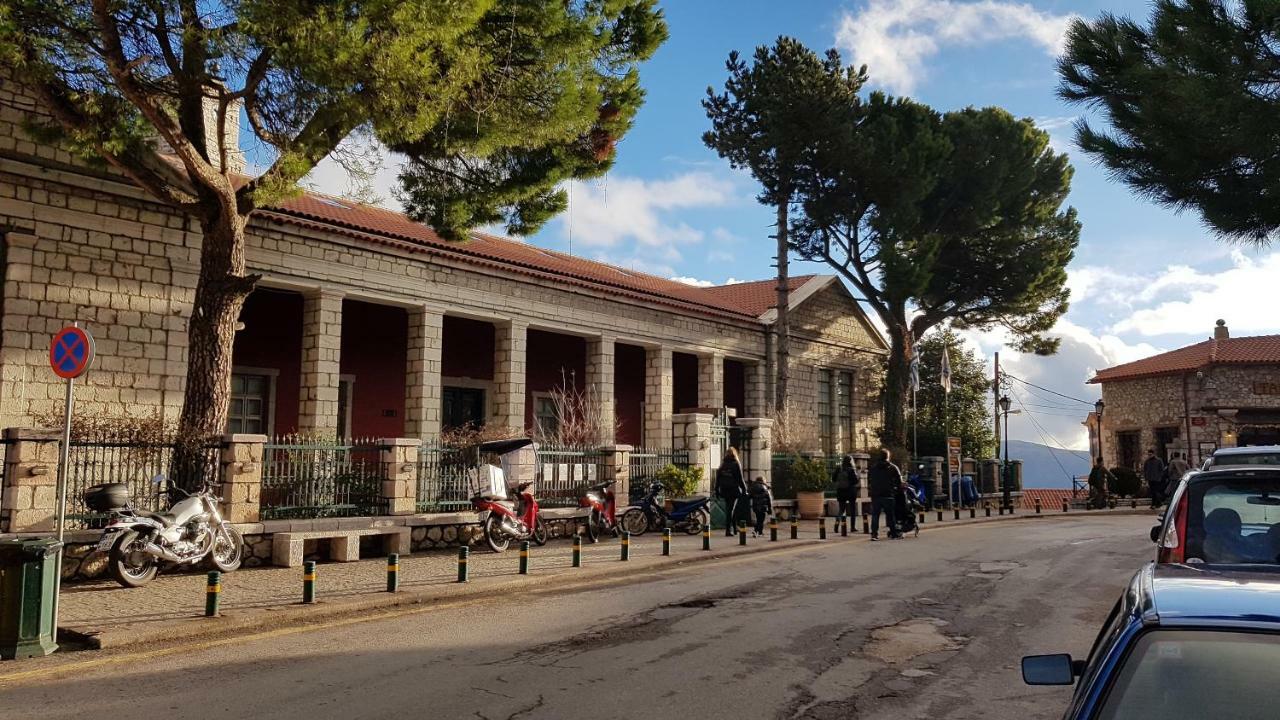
1222,392
366,324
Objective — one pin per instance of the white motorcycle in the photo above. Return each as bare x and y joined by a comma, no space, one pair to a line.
139,540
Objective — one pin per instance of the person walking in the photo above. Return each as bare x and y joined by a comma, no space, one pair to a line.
848,486
1178,467
1099,476
732,489
883,481
1153,473
761,503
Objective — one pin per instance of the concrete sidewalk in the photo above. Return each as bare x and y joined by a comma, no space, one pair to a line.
171,607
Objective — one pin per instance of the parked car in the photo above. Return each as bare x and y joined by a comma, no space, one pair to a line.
1183,641
1243,457
1224,515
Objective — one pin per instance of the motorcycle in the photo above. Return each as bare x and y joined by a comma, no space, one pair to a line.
501,520
602,517
139,541
688,515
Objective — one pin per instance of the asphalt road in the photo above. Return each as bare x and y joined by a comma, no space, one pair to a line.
931,627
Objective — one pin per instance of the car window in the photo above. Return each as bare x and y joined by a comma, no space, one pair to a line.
1268,458
1176,674
1234,521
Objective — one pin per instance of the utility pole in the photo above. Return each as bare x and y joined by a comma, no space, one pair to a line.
995,396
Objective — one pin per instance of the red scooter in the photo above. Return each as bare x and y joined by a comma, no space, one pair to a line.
502,522
602,517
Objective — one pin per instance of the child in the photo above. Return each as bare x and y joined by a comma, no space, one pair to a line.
761,503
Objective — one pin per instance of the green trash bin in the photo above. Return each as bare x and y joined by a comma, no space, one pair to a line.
28,583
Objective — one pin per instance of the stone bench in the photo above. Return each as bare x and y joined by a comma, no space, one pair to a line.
344,545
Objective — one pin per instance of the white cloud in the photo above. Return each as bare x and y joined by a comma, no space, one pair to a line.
1059,129
705,283
896,38
1197,299
615,209
382,165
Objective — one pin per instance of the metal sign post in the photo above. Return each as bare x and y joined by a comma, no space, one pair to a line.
70,355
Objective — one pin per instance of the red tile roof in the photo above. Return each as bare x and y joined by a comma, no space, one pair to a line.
1258,350
756,297
742,300
1050,498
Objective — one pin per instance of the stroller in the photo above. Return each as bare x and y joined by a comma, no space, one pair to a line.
906,504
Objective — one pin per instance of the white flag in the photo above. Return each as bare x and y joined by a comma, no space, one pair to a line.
915,371
946,370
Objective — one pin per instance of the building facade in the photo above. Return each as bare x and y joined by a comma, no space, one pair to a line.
1222,392
366,324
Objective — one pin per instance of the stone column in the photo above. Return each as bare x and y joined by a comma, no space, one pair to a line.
692,433
760,447
757,390
29,501
599,383
711,380
321,364
241,477
658,389
509,374
615,465
422,374
399,458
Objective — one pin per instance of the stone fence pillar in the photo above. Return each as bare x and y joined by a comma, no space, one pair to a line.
241,477
30,497
400,475
759,447
692,432
615,466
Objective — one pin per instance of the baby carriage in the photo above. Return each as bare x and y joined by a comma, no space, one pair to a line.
906,504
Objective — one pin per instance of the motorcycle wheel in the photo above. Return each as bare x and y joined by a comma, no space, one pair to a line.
696,521
494,535
595,525
539,532
635,521
228,551
123,571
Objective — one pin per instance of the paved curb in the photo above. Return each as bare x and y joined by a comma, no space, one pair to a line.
244,621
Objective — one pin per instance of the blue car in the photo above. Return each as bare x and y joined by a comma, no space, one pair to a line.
1184,641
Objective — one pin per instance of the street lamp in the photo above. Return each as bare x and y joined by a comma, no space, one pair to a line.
1004,466
1098,407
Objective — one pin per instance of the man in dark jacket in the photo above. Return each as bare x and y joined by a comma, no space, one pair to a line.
1099,478
848,485
883,481
1153,473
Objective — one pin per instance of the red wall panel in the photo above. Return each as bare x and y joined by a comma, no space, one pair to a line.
272,339
374,347
628,393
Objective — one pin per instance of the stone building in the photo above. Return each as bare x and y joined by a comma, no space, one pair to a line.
1222,392
366,324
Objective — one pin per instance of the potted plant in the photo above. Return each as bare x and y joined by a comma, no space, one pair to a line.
809,481
678,482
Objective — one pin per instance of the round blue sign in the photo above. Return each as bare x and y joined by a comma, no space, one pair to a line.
71,352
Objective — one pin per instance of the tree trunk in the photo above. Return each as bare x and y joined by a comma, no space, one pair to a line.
220,293
782,344
897,389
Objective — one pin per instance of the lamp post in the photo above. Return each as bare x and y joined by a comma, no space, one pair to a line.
1004,465
1098,407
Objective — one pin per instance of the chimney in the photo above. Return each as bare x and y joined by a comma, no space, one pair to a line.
231,131
1221,332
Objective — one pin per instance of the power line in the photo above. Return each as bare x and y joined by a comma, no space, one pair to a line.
1054,392
1043,433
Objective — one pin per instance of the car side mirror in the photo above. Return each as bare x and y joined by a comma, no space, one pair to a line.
1048,670
1155,532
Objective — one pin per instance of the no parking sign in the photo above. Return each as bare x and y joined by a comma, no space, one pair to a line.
71,352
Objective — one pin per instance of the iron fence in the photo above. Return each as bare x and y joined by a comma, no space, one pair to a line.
563,472
644,465
150,470
304,478
781,471
443,473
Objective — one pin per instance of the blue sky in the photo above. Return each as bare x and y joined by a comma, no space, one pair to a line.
1144,279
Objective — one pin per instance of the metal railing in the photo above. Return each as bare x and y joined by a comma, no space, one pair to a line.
443,474
148,469
644,465
304,478
563,472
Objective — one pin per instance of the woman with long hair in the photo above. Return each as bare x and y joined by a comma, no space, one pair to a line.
732,489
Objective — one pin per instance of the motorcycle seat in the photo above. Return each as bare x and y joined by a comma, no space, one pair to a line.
165,518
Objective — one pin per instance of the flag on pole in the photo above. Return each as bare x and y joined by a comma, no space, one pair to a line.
915,371
946,370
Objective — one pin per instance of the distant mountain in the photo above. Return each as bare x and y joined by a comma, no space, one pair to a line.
1048,467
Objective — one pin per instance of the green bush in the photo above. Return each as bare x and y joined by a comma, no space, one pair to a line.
1125,482
809,476
678,481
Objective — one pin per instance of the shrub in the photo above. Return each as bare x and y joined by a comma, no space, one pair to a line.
1125,482
679,482
809,476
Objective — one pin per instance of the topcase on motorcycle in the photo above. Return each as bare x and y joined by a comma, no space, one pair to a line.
503,520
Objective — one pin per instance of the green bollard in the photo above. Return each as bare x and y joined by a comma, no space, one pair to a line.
844,526
626,546
1065,505
666,541
577,551
939,516
393,573
524,558
309,582
742,534
706,536
822,528
795,527
212,594
921,519
1037,506
464,553
773,529
973,513
957,513
866,524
